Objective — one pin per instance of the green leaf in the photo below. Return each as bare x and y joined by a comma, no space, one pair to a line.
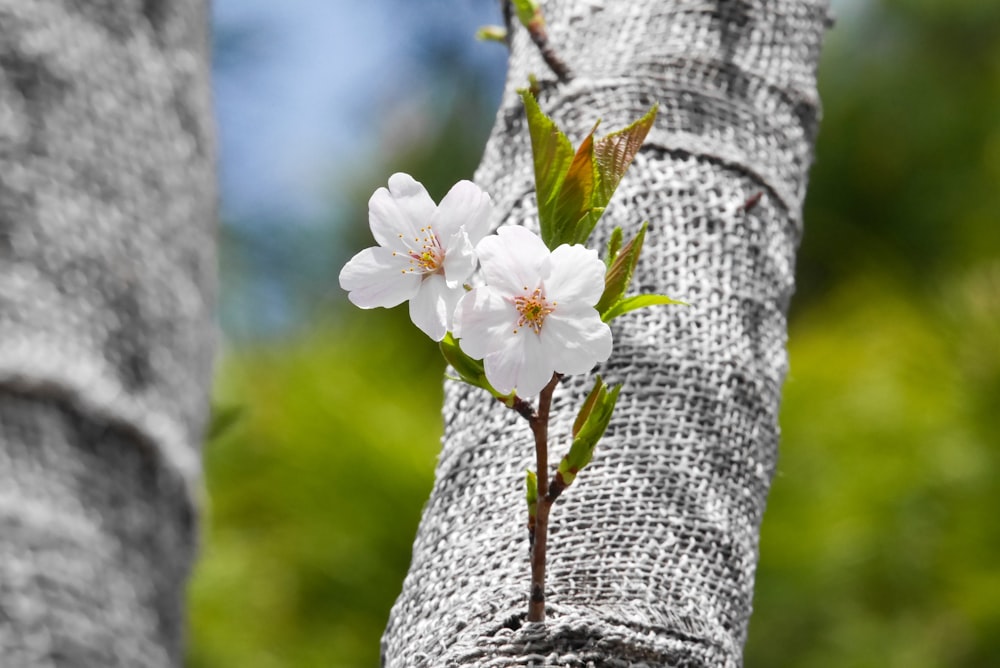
586,225
613,155
573,188
533,86
552,153
588,406
573,200
619,275
531,492
614,245
526,11
467,368
638,301
491,34
594,425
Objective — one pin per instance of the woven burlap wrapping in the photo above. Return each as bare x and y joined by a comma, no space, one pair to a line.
107,273
652,552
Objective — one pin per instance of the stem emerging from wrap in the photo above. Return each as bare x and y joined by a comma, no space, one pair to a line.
540,429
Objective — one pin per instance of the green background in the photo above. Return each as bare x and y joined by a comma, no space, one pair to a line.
880,546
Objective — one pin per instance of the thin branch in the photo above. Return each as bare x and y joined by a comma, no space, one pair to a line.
520,406
541,39
540,429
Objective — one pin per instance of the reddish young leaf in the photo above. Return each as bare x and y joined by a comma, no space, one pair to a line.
613,155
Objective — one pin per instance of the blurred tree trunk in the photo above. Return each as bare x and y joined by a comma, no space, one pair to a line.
107,280
652,552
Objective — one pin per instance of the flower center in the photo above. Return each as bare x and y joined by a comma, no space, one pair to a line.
429,257
533,309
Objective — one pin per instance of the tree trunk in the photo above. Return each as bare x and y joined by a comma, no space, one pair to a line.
652,551
107,280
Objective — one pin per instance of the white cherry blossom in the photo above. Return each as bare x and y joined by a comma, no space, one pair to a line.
536,314
425,253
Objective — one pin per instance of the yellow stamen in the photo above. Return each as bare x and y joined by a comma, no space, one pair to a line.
533,309
428,258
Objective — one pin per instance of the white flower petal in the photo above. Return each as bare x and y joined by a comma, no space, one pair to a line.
512,259
375,277
459,258
575,340
432,308
402,209
575,274
521,366
465,205
484,322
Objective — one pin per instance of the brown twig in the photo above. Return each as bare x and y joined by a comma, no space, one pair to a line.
540,429
519,406
541,39
531,534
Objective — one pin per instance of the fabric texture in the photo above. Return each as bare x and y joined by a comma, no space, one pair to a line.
107,282
652,551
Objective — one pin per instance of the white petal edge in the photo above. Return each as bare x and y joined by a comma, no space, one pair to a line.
375,278
575,274
512,259
521,366
484,322
432,308
459,258
576,342
402,209
466,205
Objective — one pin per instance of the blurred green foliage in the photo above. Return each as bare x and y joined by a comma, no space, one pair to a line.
315,494
908,157
880,546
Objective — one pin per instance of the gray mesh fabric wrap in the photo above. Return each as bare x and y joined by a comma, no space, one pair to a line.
107,210
652,551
